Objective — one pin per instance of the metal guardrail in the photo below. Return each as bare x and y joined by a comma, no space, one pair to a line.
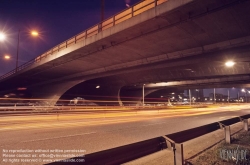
108,23
173,142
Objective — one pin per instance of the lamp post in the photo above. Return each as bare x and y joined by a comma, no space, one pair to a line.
245,91
238,96
214,97
190,97
248,93
143,95
33,33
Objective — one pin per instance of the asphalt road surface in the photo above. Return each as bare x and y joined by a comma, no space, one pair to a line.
96,132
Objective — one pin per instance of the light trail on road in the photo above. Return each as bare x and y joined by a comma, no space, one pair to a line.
96,132
76,120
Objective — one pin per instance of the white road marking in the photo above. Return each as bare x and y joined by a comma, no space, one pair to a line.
59,137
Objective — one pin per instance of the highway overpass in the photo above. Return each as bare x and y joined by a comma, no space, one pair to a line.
154,41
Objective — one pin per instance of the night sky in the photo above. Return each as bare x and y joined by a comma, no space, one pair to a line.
56,21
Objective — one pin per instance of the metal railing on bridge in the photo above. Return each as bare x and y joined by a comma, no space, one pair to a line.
108,23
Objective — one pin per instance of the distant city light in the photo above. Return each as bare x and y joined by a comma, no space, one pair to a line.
229,63
2,36
161,96
97,86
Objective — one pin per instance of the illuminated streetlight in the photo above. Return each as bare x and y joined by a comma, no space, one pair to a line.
245,91
97,86
7,57
34,33
229,63
2,36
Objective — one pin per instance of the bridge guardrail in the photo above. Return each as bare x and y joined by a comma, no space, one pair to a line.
172,142
108,23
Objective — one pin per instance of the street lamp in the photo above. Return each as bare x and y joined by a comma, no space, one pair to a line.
245,91
7,57
229,63
2,37
33,33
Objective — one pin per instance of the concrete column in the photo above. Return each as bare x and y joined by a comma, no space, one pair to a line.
49,94
119,98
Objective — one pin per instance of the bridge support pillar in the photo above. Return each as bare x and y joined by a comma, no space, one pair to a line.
49,94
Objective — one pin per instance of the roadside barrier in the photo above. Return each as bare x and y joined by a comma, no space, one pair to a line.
173,142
